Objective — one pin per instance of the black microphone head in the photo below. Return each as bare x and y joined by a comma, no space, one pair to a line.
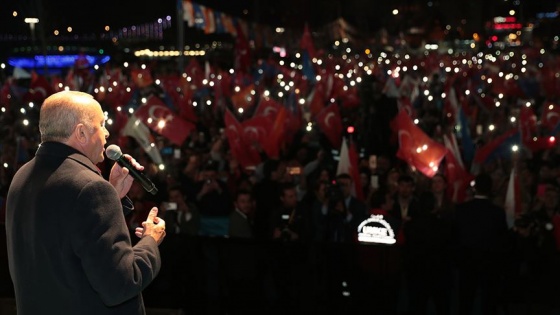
113,152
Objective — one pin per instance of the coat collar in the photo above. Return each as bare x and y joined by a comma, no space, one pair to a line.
61,150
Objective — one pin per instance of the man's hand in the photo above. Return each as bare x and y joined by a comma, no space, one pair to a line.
119,176
153,226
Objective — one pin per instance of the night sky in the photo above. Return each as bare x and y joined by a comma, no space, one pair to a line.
368,15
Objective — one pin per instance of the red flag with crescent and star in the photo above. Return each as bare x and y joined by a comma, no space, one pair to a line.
331,124
417,148
550,116
156,115
268,108
244,153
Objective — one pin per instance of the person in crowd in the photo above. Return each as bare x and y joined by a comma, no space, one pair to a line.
338,214
481,234
444,207
69,249
266,194
406,203
241,219
289,221
213,201
180,215
427,257
213,198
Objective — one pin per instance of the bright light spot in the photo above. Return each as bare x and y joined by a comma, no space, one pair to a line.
26,122
552,139
416,121
144,100
395,12
161,167
514,148
528,104
350,129
240,110
491,127
161,124
418,150
512,119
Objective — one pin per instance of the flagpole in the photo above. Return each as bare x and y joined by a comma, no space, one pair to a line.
180,36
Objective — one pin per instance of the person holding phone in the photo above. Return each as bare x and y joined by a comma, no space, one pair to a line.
181,216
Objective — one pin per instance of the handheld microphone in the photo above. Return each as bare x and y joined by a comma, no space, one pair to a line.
114,153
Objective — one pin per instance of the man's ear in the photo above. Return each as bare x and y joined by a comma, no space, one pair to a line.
80,133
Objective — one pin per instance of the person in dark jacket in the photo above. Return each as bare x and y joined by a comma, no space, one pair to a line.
69,248
481,235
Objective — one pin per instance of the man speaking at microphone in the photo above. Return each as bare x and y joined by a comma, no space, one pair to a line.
69,248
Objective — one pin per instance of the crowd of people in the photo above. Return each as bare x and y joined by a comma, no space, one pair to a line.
299,197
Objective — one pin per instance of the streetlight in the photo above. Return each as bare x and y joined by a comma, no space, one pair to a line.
32,22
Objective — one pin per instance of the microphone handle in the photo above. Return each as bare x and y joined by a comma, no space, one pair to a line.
144,181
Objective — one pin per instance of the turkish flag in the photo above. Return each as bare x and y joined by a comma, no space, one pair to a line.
268,108
316,99
39,89
306,42
141,77
550,116
528,123
195,72
246,155
457,177
415,147
256,130
242,51
276,135
162,120
331,124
